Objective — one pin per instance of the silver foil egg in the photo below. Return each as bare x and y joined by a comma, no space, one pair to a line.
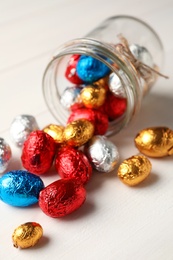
69,96
5,155
115,84
102,153
21,127
141,54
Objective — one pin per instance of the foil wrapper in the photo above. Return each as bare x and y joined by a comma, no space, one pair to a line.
21,127
27,235
70,96
93,96
155,141
71,163
61,198
70,72
78,132
90,69
5,155
55,131
115,84
20,188
134,170
98,118
38,152
102,153
114,107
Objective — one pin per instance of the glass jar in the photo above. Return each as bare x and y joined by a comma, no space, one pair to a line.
101,44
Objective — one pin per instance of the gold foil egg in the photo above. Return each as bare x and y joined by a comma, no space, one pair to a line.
78,132
27,235
103,82
55,131
155,141
134,170
93,96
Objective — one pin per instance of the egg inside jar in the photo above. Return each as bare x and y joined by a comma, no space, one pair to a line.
95,101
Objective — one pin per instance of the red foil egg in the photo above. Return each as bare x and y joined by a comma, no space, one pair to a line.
70,72
61,198
97,117
73,164
114,106
38,152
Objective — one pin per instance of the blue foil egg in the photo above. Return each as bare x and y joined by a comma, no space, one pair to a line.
20,188
90,69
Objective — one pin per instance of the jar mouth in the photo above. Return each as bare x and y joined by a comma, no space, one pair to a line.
86,46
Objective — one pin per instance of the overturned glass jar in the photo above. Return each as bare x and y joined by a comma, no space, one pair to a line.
109,70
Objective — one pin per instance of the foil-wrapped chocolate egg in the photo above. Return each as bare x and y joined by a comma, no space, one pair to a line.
78,132
93,96
38,152
134,170
98,118
102,153
115,84
71,163
70,96
155,141
27,235
141,54
70,72
90,69
61,198
21,127
114,107
5,155
103,82
55,131
20,188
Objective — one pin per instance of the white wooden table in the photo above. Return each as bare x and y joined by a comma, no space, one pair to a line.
117,222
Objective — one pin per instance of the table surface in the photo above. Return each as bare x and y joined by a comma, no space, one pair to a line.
116,222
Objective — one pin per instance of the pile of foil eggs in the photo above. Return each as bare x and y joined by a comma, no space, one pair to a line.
76,149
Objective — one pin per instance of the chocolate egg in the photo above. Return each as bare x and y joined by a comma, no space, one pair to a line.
55,131
27,235
134,170
69,96
78,132
102,153
90,69
114,107
98,118
155,141
115,84
61,198
93,96
70,72
21,127
5,155
71,163
38,152
20,188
